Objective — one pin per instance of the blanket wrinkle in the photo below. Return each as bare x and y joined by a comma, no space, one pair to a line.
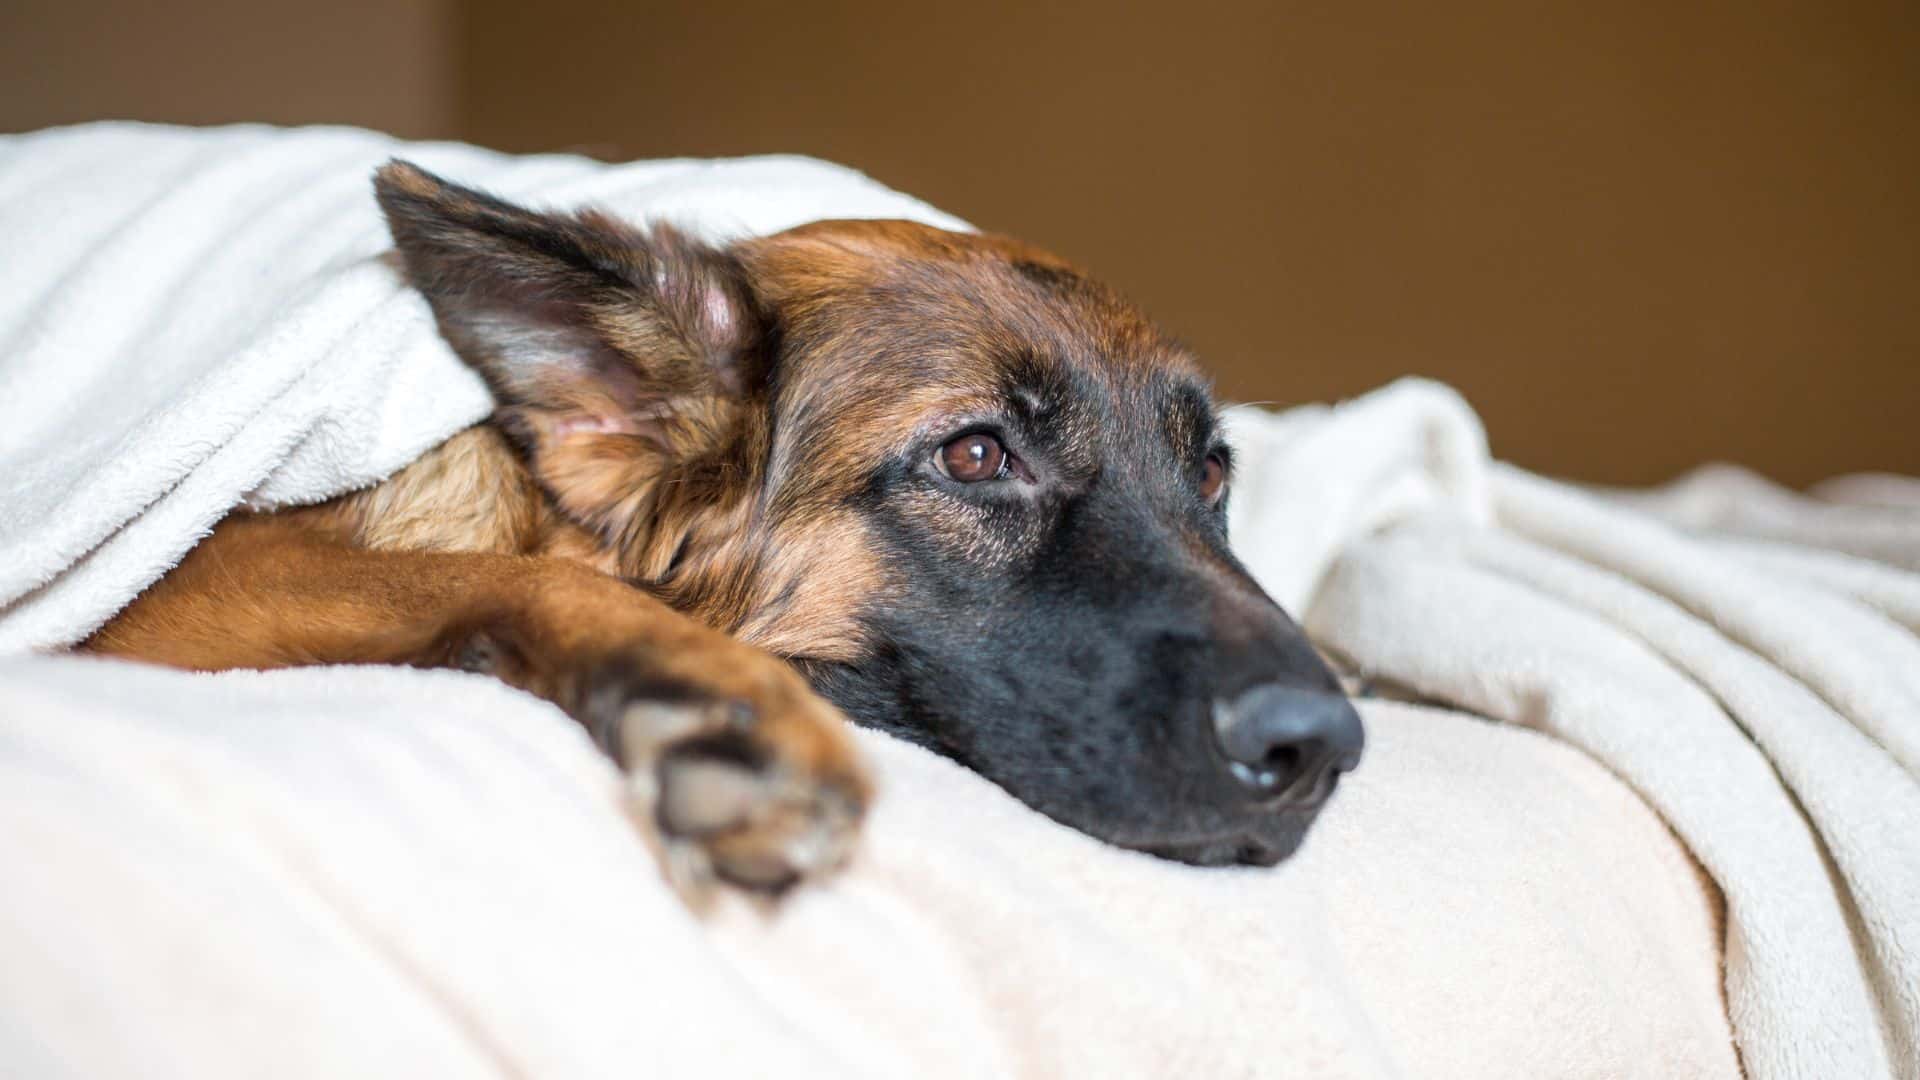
1411,448
1872,516
1884,490
1890,592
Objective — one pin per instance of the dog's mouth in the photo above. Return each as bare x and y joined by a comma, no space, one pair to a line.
1243,850
1267,841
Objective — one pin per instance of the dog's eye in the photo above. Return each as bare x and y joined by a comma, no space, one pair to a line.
1213,478
973,458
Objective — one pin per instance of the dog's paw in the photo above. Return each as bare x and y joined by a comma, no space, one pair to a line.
747,780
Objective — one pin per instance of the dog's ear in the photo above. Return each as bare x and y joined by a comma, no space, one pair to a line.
619,356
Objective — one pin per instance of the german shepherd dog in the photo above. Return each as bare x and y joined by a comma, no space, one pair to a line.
940,483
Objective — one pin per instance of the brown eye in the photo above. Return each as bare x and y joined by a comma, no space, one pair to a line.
1213,478
973,458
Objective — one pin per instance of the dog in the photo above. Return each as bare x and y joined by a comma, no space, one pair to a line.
940,483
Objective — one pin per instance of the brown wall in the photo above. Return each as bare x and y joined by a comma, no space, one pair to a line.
1637,235
377,63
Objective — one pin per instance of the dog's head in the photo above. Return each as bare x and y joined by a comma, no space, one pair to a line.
975,495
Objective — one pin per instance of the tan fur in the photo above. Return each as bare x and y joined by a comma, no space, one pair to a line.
471,493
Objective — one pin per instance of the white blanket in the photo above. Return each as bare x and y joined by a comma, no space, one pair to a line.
192,319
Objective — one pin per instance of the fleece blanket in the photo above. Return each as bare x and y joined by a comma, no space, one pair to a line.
195,319
375,872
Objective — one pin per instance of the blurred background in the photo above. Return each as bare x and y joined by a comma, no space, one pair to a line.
1637,236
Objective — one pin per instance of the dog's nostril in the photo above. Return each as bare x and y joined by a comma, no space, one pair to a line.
1283,759
1285,743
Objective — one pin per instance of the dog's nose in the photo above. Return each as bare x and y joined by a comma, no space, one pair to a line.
1288,744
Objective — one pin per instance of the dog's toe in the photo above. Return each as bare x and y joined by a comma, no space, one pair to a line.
760,796
760,823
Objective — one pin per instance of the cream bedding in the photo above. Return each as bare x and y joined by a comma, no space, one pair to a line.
373,872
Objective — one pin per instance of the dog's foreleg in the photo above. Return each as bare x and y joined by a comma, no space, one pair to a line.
738,770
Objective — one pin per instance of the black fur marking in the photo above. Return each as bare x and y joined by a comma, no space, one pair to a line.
1079,677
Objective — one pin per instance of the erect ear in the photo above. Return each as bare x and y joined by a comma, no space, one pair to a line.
617,355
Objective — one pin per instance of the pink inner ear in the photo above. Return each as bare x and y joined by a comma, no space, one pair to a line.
719,313
594,424
647,422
